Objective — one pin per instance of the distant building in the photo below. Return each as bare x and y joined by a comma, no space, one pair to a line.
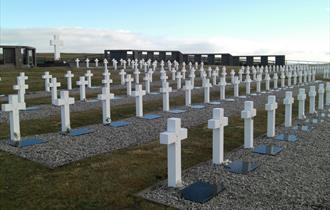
208,58
18,56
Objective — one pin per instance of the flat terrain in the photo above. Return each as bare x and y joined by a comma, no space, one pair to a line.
111,180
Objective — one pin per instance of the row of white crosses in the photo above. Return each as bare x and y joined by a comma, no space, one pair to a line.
175,134
87,62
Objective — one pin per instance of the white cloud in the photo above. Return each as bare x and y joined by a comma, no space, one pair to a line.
86,40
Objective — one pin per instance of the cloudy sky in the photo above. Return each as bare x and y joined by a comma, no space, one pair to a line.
299,29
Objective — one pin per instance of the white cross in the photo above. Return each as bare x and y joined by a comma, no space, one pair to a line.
163,77
288,101
165,90
77,62
137,77
178,80
21,87
64,101
267,79
247,84
207,86
312,95
107,80
301,97
54,84
47,78
69,77
258,81
56,42
236,86
138,94
173,71
147,82
122,74
13,108
217,124
248,114
172,138
150,72
214,77
232,74
105,63
271,107
327,95
129,81
321,96
89,75
275,78
96,62
87,63
105,97
187,88
82,87
222,85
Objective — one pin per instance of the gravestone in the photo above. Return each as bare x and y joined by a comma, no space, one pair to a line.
77,63
178,80
248,114
82,87
207,87
312,95
217,124
129,81
89,75
21,87
138,94
187,88
87,63
47,78
122,74
321,97
301,103
64,101
96,62
105,97
13,107
271,107
69,77
222,86
53,85
165,90
172,138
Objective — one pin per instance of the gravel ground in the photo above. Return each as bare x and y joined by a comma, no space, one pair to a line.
62,149
297,178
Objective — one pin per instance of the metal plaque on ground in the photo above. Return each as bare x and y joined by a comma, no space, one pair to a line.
81,131
241,167
268,149
201,192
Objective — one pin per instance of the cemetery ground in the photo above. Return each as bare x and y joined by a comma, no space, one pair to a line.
110,180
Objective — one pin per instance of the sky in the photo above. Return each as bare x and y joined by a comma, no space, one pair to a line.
300,29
